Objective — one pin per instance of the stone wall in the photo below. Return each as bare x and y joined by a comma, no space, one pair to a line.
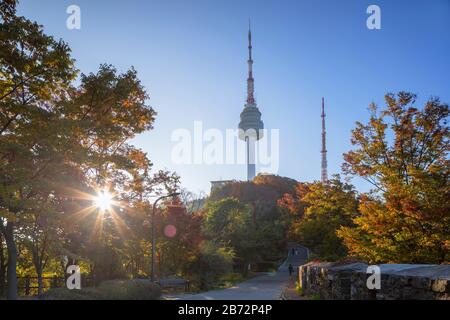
398,281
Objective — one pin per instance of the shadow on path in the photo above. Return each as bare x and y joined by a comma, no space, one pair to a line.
266,286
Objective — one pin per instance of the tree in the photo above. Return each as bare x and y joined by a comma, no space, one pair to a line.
270,224
319,210
38,233
34,68
8,9
59,144
208,263
263,187
179,235
3,266
403,152
109,109
229,222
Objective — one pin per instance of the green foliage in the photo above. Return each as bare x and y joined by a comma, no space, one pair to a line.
266,226
315,297
227,220
209,264
129,290
35,70
108,290
319,210
230,223
298,289
106,262
60,144
66,294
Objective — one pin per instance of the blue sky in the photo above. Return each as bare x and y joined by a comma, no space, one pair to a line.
191,57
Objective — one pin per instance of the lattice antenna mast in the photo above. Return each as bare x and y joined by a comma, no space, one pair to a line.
324,176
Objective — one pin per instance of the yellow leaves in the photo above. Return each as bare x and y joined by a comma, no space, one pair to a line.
446,246
8,215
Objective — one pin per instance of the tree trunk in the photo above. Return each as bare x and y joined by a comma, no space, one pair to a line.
38,267
39,278
2,268
12,262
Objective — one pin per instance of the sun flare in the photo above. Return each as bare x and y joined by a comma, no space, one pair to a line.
103,200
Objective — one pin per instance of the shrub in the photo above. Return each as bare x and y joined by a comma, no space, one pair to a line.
230,279
129,290
299,289
315,297
108,290
209,264
66,294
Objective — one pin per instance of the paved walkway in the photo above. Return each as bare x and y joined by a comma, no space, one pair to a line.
266,286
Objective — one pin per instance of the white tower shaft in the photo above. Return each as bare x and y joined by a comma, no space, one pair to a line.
251,166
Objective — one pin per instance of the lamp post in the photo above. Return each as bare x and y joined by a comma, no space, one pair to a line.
152,275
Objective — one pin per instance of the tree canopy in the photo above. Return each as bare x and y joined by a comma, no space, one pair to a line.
403,152
317,211
60,145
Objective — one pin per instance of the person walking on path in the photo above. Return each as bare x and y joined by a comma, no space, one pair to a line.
291,270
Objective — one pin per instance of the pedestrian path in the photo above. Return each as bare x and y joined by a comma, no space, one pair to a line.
266,286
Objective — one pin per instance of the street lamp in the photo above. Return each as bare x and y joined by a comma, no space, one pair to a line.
152,275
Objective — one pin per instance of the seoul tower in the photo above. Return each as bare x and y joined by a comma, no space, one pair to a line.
324,177
250,124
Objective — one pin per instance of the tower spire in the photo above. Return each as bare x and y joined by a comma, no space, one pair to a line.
250,80
324,177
